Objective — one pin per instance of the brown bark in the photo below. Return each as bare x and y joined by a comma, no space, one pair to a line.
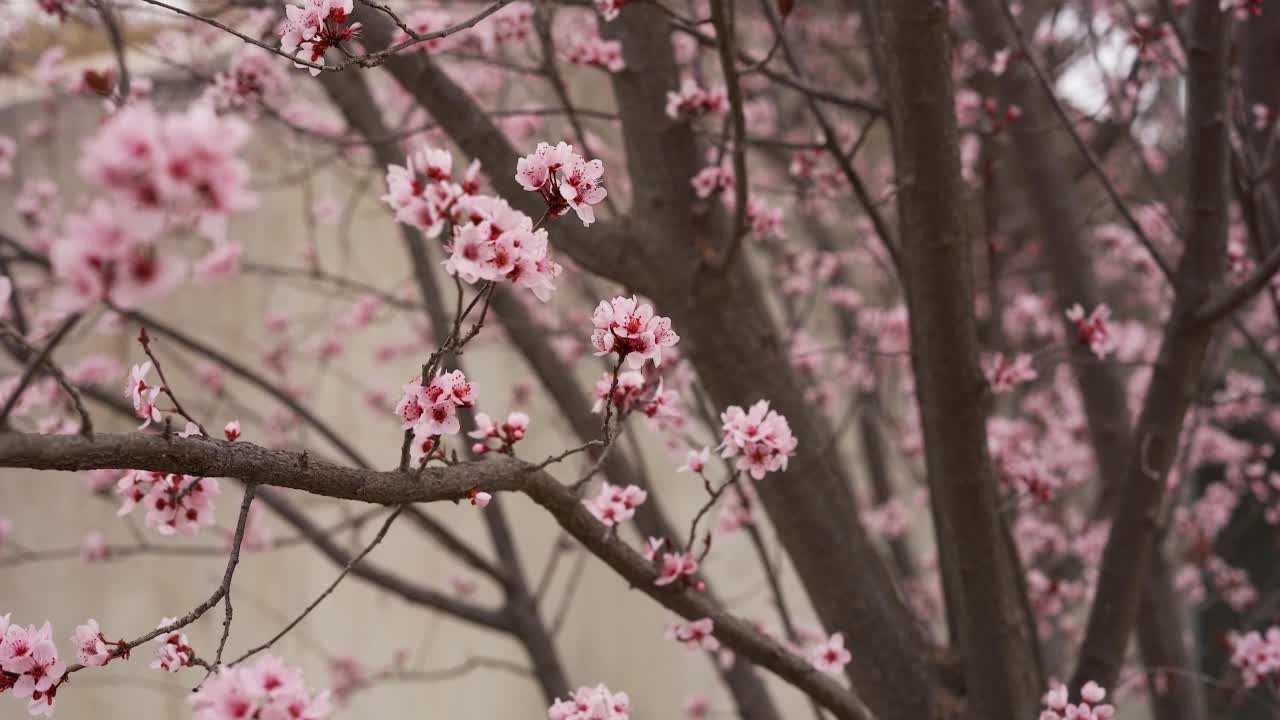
295,470
996,633
1176,373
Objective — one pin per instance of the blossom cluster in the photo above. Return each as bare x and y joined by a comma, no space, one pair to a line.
254,79
489,240
634,391
691,101
1090,706
1094,329
565,180
151,172
29,665
506,433
1257,655
266,689
586,48
311,27
176,504
760,438
696,635
431,409
1004,375
174,651
630,328
177,164
591,703
616,504
609,9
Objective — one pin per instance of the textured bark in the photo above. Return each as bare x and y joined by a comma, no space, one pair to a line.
295,470
737,352
739,357
996,633
1176,373
1048,185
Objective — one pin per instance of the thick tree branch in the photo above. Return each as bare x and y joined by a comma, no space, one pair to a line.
288,469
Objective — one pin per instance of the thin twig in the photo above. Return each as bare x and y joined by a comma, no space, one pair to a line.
382,533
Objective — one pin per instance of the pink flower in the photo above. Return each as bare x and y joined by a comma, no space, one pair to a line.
266,690
1094,330
652,547
143,395
630,328
1091,695
221,263
565,180
176,504
1004,376
615,504
609,9
676,566
831,655
697,708
231,430
94,548
695,635
506,433
596,703
585,47
481,499
760,438
174,651
695,461
91,646
313,26
691,101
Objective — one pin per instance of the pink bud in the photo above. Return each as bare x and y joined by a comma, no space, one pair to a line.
481,499
479,449
232,430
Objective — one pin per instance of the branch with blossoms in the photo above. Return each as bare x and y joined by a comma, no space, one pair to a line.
454,483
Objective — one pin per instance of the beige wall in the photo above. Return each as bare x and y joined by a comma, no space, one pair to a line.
614,635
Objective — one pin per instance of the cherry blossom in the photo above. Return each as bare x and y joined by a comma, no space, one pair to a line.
176,504
591,703
489,240
267,689
29,664
692,101
174,165
830,656
609,9
1094,330
231,431
1090,707
143,395
1003,375
1257,655
588,48
630,328
174,651
676,566
506,434
695,461
760,438
695,635
615,504
311,27
431,410
565,180
91,646
94,548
